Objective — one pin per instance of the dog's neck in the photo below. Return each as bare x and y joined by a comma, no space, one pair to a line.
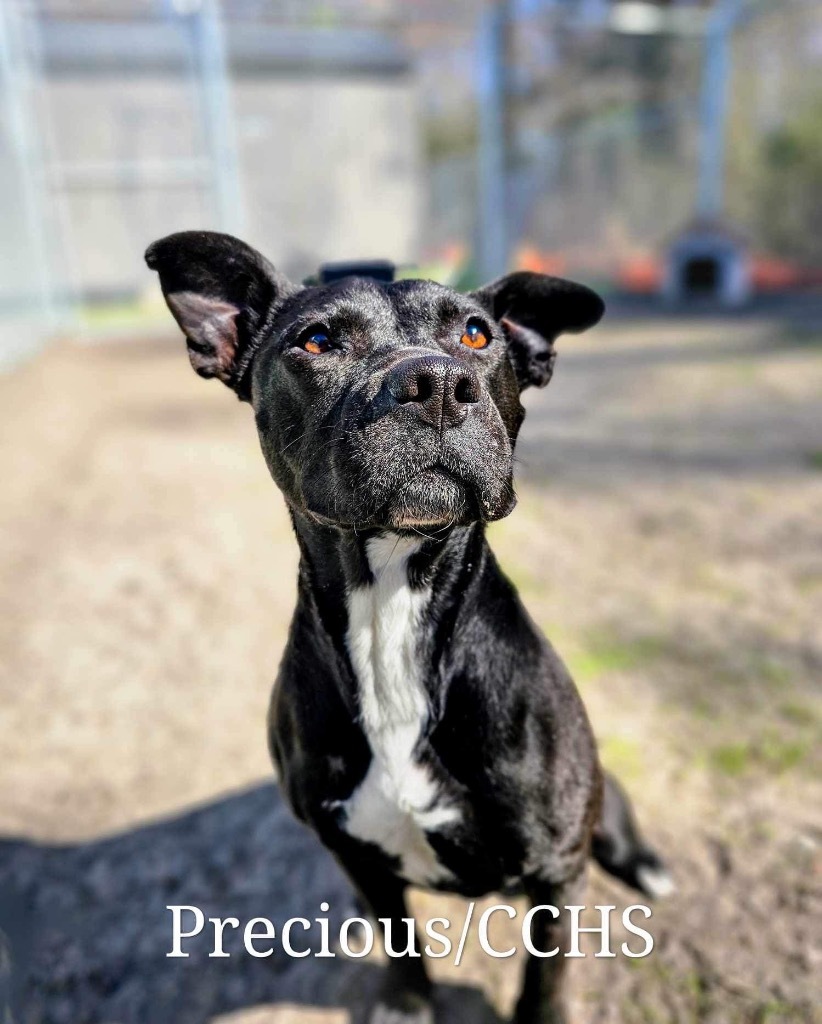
420,597
334,562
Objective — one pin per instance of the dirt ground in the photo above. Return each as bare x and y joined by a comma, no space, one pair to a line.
668,539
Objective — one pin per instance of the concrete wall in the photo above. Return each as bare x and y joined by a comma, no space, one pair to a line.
330,169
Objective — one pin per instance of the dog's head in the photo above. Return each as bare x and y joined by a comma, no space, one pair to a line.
378,405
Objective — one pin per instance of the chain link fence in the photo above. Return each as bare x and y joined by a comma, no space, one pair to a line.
324,129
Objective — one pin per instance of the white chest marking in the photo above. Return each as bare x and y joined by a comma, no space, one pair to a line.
396,803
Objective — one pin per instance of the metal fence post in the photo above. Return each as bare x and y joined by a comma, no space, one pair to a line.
714,107
211,58
493,218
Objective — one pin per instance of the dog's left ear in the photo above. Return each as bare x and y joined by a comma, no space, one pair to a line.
534,310
221,292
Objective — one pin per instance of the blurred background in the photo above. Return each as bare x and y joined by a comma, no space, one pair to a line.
669,531
660,149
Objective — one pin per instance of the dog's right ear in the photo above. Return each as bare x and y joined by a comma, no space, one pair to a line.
222,293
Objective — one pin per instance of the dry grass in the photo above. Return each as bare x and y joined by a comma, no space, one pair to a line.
669,540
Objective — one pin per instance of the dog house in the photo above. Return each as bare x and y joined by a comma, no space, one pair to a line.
707,263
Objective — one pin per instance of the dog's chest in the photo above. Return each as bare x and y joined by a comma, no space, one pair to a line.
399,801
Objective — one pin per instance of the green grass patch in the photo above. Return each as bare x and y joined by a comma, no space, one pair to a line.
780,755
622,756
798,713
756,669
660,981
771,753
777,1012
814,458
731,759
601,653
703,707
772,671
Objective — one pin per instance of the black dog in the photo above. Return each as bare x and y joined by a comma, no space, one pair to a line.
421,724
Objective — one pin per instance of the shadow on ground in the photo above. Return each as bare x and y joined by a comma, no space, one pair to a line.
88,928
598,424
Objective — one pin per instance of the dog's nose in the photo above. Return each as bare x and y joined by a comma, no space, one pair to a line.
440,389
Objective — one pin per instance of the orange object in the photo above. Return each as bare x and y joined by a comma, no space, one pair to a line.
770,275
641,275
529,257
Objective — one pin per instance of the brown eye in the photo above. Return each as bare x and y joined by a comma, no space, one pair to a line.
474,336
317,343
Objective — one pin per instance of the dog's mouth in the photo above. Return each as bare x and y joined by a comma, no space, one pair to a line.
409,487
433,497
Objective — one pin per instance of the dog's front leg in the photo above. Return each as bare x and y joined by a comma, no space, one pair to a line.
542,999
405,993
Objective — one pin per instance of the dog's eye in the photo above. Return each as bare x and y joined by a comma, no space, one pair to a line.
317,343
474,336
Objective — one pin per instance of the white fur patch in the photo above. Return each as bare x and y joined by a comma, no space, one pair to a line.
397,800
655,882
